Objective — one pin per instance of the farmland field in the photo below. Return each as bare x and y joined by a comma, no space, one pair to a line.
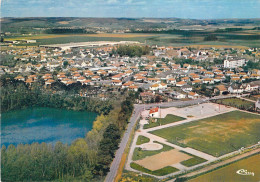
231,130
228,173
150,39
49,36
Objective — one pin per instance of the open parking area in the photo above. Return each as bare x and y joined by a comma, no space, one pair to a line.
196,111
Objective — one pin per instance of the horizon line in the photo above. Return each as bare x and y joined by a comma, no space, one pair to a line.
128,17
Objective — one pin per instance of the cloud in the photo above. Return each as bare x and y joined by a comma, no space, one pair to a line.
112,1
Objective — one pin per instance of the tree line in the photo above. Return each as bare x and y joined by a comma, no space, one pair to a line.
68,31
17,95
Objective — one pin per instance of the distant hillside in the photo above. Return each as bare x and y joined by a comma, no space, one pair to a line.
41,24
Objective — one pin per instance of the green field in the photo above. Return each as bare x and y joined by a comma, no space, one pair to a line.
231,131
193,161
141,140
236,102
150,39
228,173
160,172
162,121
140,154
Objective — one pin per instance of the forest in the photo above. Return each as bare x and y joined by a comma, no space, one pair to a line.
17,95
131,50
86,159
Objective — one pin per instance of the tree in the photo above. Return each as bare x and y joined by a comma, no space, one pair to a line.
65,64
203,87
107,148
211,37
157,99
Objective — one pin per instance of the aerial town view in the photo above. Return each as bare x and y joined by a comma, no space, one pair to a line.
130,91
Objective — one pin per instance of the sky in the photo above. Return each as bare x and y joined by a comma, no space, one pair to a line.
192,9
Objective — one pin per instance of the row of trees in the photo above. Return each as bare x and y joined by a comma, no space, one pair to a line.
67,31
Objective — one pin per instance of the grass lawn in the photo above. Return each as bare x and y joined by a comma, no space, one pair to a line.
141,140
168,119
140,154
228,173
160,172
193,161
217,135
238,103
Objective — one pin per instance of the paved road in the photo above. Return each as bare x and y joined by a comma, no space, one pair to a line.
137,110
115,164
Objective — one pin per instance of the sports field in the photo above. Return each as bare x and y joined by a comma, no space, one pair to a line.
229,173
163,160
231,131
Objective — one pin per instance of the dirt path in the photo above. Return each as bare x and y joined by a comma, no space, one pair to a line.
219,164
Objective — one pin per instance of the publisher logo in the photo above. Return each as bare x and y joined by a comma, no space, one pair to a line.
245,172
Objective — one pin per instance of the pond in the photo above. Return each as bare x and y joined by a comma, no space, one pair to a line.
44,125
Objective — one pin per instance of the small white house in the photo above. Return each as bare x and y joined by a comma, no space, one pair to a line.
235,89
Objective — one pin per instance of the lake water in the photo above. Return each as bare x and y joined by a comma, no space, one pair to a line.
44,125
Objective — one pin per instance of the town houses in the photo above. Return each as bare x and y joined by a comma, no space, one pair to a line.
166,73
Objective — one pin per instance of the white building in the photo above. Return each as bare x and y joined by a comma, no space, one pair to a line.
236,89
234,63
